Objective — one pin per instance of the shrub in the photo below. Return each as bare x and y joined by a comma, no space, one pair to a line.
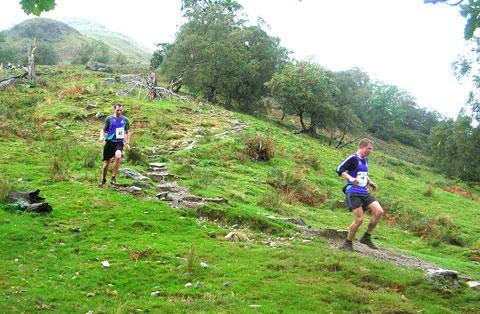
293,188
135,156
435,230
429,192
259,148
5,187
271,200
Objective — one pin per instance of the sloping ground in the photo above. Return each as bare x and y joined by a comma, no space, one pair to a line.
66,40
187,260
118,41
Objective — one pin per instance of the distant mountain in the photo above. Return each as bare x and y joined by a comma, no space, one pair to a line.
63,39
125,44
66,40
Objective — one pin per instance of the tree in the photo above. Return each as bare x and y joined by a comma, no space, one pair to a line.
218,57
46,55
306,89
36,7
6,54
470,11
158,55
121,59
95,50
354,87
455,147
101,52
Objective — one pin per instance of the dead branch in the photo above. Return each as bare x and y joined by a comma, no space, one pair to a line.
149,84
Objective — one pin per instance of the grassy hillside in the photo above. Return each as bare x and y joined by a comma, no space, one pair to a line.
52,263
66,40
118,41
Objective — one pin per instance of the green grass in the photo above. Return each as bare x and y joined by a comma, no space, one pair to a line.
52,263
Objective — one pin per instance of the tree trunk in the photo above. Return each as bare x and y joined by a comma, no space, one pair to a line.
32,76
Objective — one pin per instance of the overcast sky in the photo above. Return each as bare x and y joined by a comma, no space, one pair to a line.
405,43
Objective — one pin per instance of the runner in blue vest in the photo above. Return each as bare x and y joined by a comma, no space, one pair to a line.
355,170
117,129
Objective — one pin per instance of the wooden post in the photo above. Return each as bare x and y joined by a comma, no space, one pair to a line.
32,76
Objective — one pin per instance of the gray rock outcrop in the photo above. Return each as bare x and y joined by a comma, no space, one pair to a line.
98,67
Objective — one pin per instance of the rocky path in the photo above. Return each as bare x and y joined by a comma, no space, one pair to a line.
447,279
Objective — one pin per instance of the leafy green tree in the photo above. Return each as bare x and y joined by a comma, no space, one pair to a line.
84,53
219,57
6,54
121,59
158,55
92,51
101,52
36,7
45,54
470,11
354,87
455,147
306,89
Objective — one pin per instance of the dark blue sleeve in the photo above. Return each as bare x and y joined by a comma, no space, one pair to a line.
350,163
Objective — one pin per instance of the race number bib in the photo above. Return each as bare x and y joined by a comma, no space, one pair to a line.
362,178
119,133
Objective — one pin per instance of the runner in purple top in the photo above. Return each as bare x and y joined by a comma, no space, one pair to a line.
355,170
116,127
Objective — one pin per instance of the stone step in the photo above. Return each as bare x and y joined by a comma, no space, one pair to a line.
159,177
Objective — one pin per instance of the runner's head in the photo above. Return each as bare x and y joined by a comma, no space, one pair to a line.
117,110
365,147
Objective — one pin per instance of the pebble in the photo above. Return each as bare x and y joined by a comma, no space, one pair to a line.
226,284
105,264
155,294
188,285
203,265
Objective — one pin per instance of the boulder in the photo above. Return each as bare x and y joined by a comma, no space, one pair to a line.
443,278
99,67
132,174
29,201
129,77
8,83
108,82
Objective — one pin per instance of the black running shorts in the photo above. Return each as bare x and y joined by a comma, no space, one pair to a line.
356,200
110,149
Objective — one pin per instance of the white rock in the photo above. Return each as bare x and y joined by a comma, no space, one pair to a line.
188,285
105,264
473,284
255,306
203,265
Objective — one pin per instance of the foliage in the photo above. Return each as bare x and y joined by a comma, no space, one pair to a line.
220,58
259,148
36,7
455,147
157,57
306,89
354,91
45,55
435,230
6,54
95,50
5,188
470,11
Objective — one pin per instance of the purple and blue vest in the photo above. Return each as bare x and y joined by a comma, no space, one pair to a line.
361,173
116,131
